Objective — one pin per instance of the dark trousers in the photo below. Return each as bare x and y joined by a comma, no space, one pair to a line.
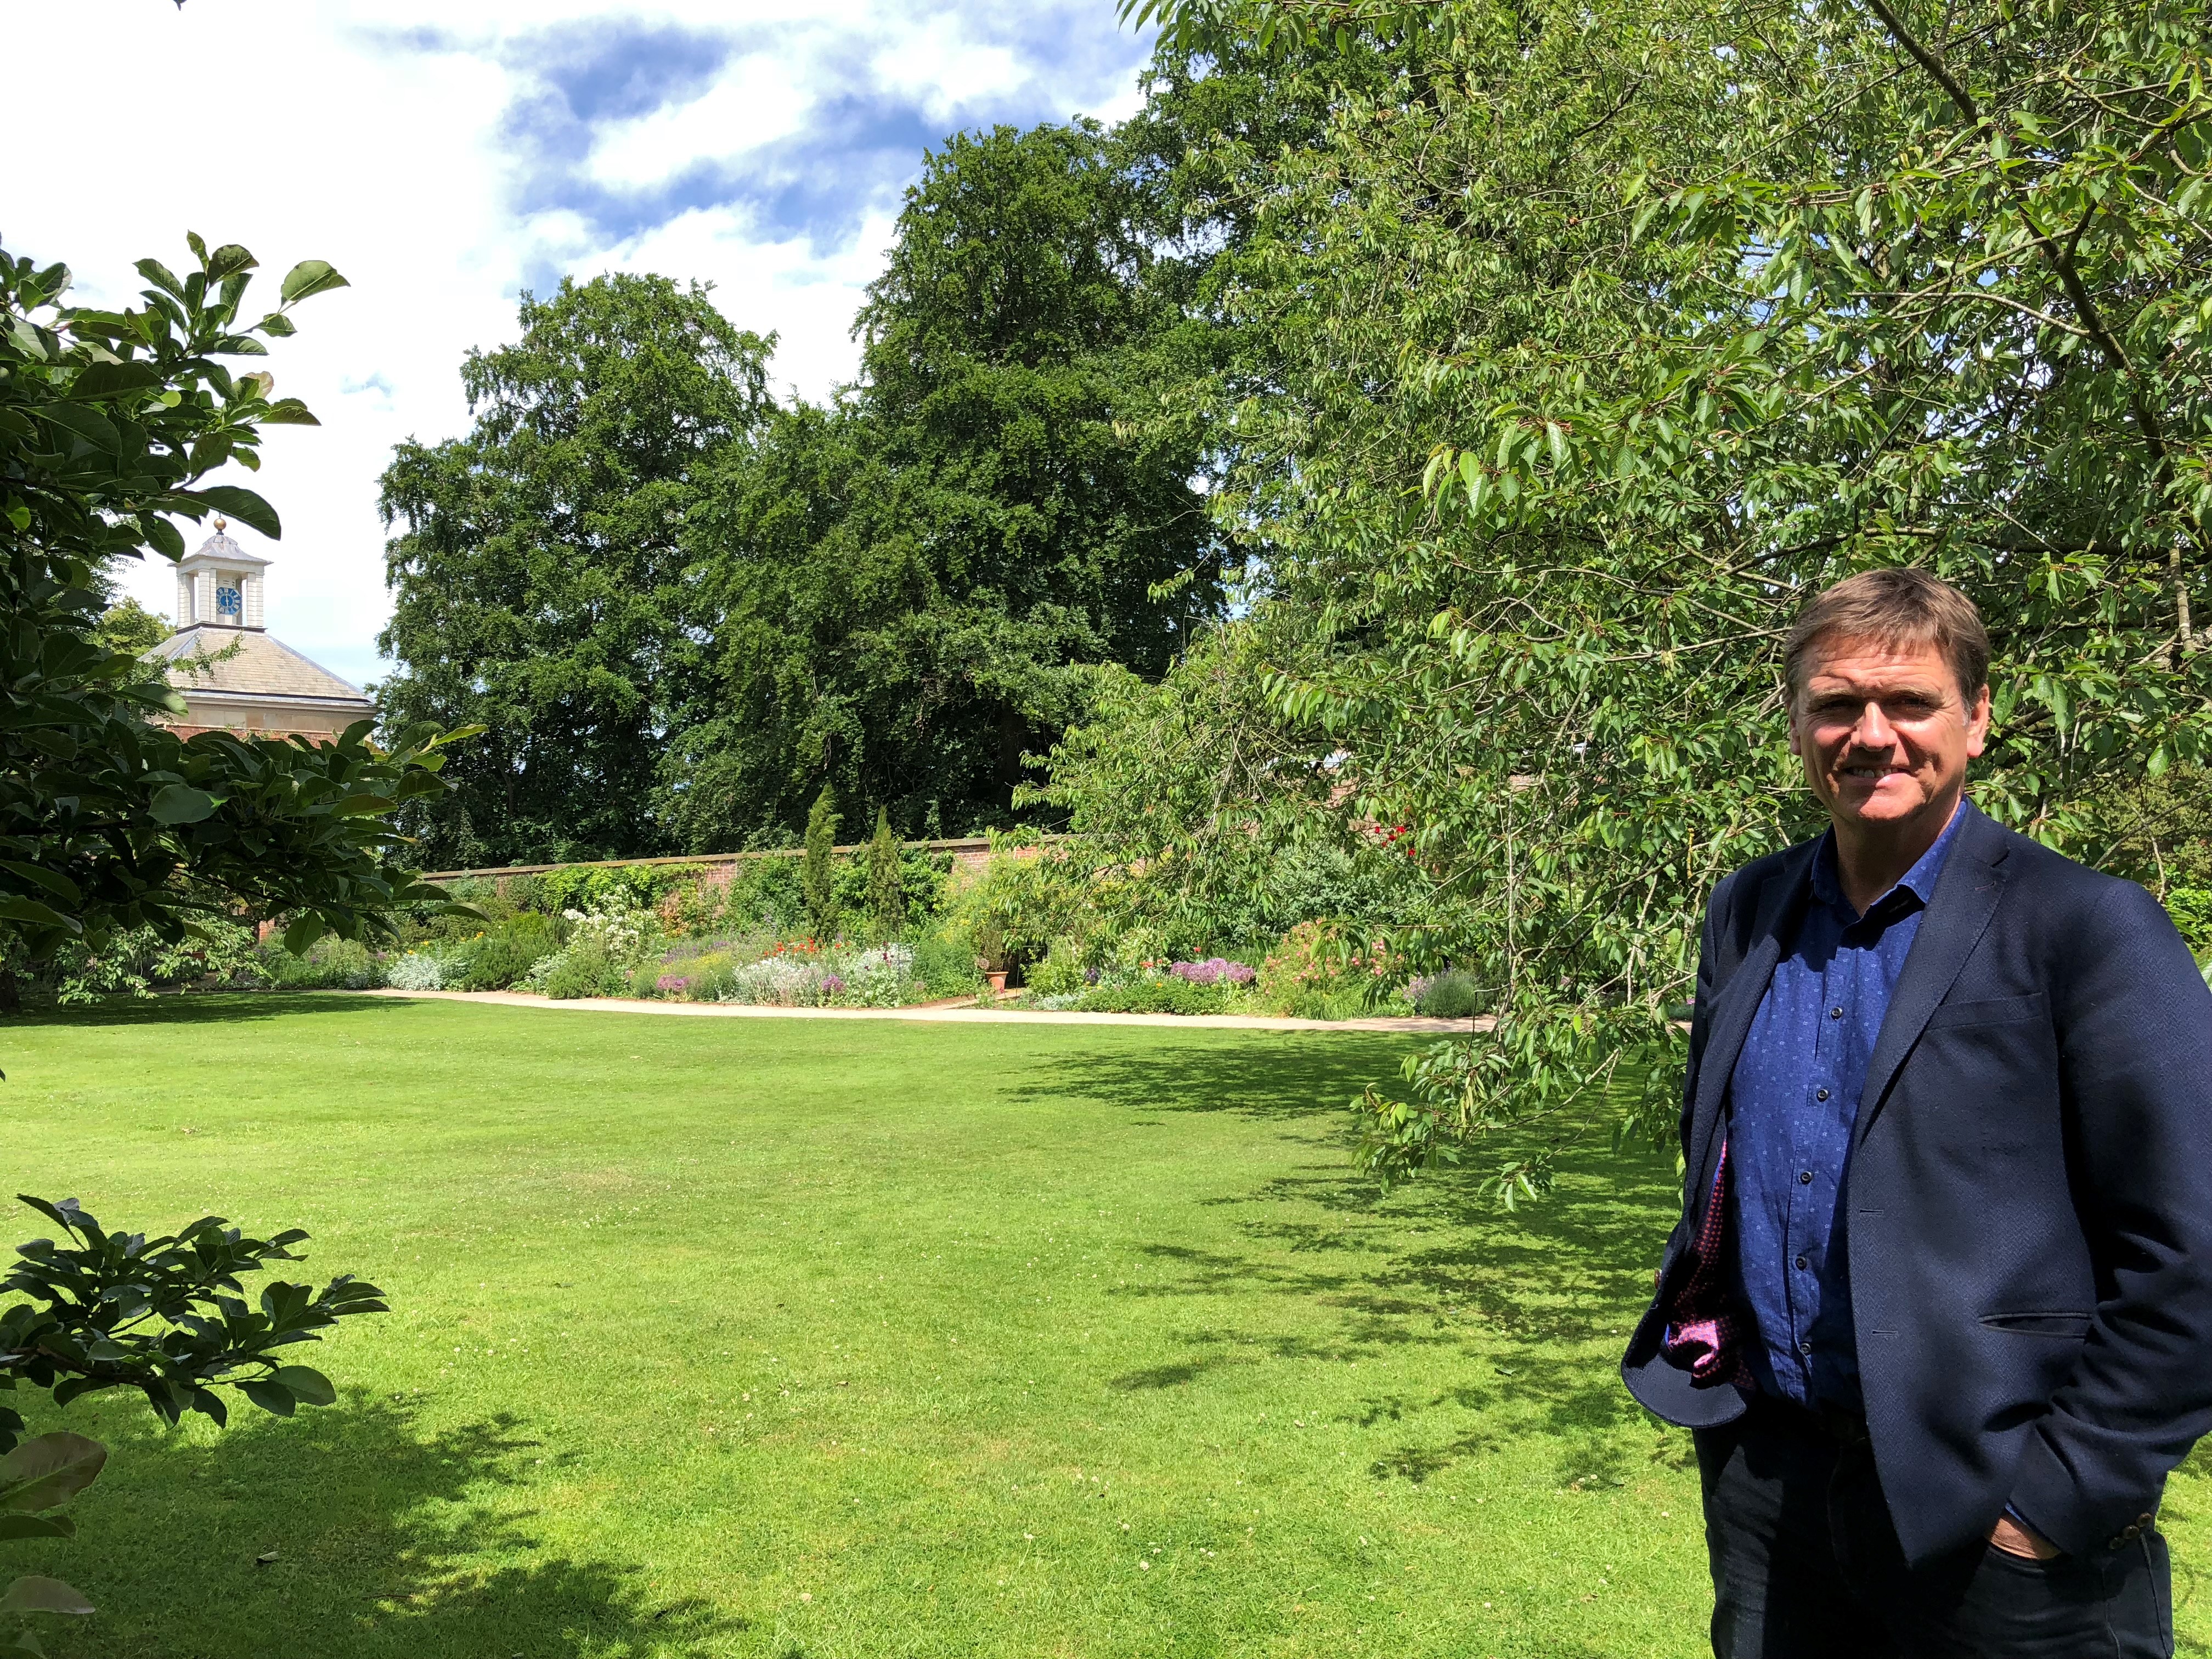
1806,1565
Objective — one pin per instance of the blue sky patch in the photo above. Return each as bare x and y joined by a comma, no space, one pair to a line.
860,143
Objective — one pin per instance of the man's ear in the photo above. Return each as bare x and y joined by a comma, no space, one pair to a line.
1978,723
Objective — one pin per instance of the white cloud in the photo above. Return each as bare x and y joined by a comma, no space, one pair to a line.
381,134
757,102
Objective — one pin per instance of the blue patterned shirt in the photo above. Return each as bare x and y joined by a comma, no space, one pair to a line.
1793,1101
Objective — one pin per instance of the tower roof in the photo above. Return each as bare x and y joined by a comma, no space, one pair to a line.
245,663
219,549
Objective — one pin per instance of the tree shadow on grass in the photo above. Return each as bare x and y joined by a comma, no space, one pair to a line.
388,1539
1525,1306
1276,1075
197,1008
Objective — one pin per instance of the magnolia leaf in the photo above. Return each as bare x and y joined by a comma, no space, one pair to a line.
37,1526
36,1595
270,1396
227,261
304,930
14,907
243,505
310,276
50,1470
98,380
308,1386
180,803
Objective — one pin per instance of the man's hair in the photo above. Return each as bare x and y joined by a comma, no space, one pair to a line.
1894,607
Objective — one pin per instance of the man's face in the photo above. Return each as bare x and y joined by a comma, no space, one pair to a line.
1883,729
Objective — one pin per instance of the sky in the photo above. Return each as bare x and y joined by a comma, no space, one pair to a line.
448,156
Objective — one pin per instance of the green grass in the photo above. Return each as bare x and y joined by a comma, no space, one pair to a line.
782,1339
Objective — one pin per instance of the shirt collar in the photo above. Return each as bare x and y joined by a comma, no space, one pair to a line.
1920,880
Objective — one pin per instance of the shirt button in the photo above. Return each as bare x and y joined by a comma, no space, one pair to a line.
1804,1344
1802,1264
1835,1014
1804,1177
1820,1094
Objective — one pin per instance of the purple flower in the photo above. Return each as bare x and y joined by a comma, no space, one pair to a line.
1090,977
832,986
1211,971
672,982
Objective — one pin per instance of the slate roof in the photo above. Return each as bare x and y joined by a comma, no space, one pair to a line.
263,667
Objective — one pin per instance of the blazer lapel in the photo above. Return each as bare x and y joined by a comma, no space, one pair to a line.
1733,1005
1966,896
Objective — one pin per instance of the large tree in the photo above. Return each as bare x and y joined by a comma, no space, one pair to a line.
1609,333
905,582
540,574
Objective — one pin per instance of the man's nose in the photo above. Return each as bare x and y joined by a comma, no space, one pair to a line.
1874,731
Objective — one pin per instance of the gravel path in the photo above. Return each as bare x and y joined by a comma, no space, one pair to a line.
961,1012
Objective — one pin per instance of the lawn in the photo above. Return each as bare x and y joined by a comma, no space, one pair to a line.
833,1340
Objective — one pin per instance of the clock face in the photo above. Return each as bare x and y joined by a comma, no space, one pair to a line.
227,602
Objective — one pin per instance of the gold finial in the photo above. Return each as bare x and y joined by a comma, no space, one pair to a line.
222,525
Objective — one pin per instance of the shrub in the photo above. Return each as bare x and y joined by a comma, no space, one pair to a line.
604,949
2191,910
418,970
584,969
879,977
1317,973
886,898
1060,974
1447,995
818,875
1154,994
137,959
764,893
944,963
495,960
329,963
1019,904
786,982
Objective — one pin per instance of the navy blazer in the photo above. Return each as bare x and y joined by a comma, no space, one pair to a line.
2029,1193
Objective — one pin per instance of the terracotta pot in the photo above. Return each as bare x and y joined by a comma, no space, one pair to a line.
998,980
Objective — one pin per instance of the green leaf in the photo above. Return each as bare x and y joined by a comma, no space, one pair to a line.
88,424
113,380
303,932
308,1386
242,505
49,1470
289,411
310,276
180,803
37,1526
55,883
165,537
36,1595
270,1396
227,261
16,907
160,276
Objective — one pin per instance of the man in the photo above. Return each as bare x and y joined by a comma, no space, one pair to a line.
1939,1311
